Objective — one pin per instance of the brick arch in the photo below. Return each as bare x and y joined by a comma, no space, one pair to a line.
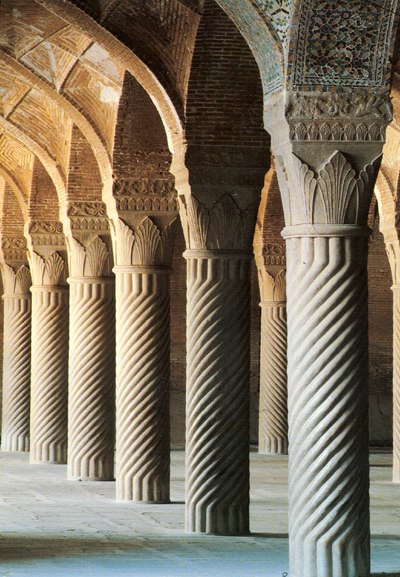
13,186
141,159
43,200
257,27
228,149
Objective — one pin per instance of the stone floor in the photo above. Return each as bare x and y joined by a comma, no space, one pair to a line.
52,527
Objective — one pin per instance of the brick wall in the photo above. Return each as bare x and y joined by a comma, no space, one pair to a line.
380,304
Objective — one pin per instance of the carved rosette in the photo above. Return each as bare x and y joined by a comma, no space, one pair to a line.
217,402
328,403
49,375
91,362
16,359
143,256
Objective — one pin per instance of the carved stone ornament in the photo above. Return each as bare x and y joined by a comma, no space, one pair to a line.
146,246
47,233
88,215
329,116
50,271
337,195
14,248
145,187
272,285
92,260
16,282
150,204
222,227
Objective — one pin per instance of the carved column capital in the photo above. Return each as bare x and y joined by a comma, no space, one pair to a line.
143,245
222,226
16,282
47,272
91,259
337,193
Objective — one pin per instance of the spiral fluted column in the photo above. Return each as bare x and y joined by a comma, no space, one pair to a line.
16,372
142,383
273,426
217,403
91,379
328,402
49,388
396,383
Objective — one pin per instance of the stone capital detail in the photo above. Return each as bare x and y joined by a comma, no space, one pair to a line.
50,271
146,245
223,226
272,285
14,248
330,116
338,193
16,282
46,233
88,215
91,260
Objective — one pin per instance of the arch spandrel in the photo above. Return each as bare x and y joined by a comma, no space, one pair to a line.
262,23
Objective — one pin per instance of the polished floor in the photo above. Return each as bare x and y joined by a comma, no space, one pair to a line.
53,527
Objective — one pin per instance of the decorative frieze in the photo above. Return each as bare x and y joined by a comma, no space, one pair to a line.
149,204
46,233
14,248
88,215
144,187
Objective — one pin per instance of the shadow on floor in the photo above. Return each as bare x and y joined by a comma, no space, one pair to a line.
385,574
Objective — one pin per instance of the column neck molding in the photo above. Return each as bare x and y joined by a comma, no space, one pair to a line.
218,254
325,230
138,269
49,289
90,280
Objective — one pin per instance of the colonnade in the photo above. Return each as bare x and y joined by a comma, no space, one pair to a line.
120,313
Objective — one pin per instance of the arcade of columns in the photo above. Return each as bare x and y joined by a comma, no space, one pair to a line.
119,119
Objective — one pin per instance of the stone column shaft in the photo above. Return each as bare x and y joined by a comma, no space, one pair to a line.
328,402
91,407
217,404
16,372
396,383
273,427
142,377
49,393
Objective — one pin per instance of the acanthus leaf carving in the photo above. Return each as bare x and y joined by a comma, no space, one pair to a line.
92,260
148,245
48,271
336,195
16,282
272,284
221,227
336,186
147,240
